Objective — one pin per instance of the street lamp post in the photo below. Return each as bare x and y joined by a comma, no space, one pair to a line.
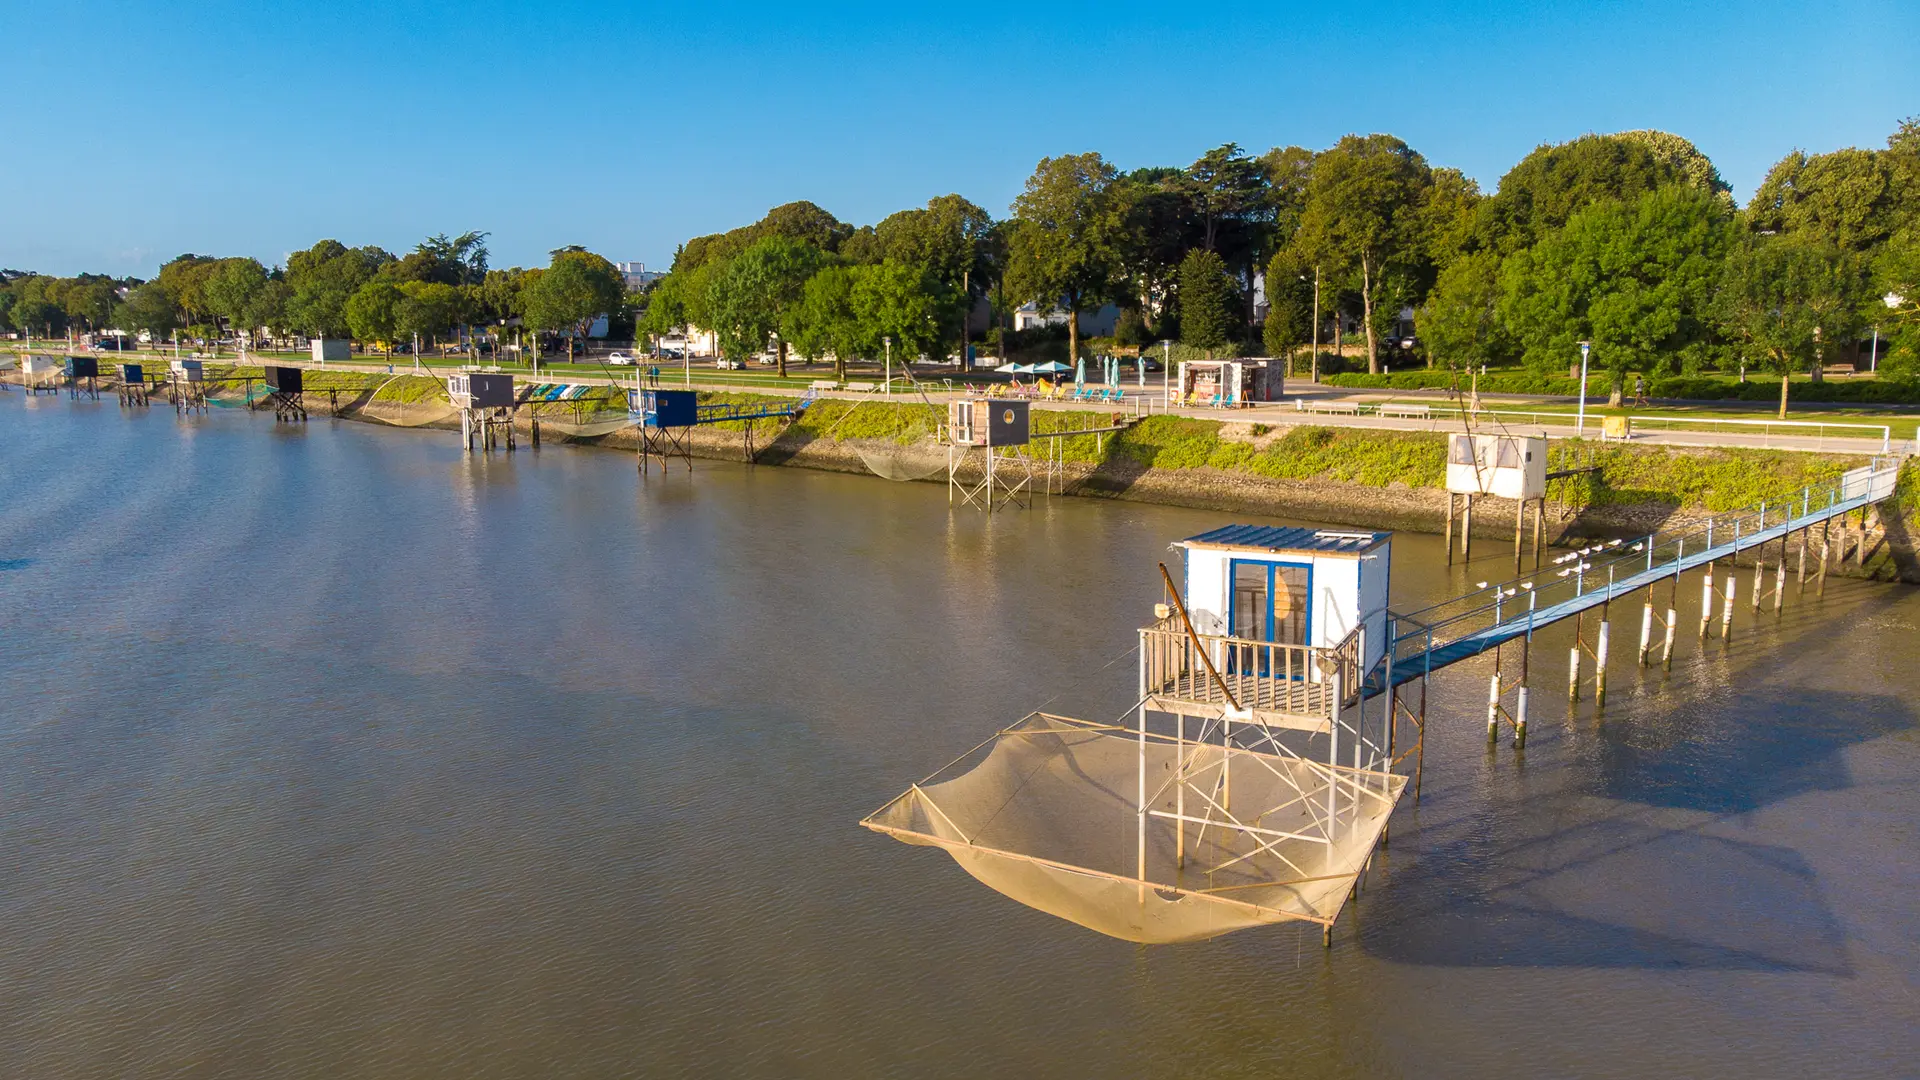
1580,423
889,343
1166,371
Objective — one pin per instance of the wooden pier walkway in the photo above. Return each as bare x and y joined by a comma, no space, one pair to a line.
1424,641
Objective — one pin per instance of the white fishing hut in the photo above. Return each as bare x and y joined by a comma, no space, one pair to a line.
325,349
1508,466
1290,586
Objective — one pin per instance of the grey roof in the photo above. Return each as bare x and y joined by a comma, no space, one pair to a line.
1290,538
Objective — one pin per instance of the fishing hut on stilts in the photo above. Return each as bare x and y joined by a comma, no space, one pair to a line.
486,402
133,386
83,377
187,386
287,394
987,461
1249,784
41,374
1505,466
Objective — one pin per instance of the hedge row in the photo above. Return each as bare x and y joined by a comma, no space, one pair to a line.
1882,391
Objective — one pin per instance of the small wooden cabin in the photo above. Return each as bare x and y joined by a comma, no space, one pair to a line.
988,422
1292,586
1510,466
191,371
480,390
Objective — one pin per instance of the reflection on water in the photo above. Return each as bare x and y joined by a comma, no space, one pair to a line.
329,750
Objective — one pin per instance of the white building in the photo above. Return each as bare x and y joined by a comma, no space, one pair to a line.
1099,323
637,276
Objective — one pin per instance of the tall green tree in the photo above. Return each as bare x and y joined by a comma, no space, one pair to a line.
574,290
1636,279
749,299
1781,297
1460,321
1209,305
825,321
1553,183
1363,215
429,309
373,313
905,303
233,291
1848,199
1061,256
321,279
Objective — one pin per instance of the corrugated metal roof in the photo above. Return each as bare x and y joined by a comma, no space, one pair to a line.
1289,538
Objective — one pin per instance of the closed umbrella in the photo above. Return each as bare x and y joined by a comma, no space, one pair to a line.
1080,374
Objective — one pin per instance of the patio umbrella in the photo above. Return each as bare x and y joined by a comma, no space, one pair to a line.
1080,374
1051,367
1009,368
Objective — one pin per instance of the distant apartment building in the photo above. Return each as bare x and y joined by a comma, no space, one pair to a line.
637,276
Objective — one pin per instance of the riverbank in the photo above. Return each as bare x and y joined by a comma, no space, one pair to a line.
1361,477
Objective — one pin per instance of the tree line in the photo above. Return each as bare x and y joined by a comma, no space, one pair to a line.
329,291
1631,243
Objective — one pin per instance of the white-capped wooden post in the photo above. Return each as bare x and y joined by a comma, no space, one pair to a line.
1726,612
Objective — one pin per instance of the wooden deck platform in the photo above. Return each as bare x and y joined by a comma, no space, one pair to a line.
1280,703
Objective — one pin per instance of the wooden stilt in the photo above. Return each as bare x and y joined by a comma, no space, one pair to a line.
1646,629
1519,531
1539,526
1450,498
1826,550
1466,531
1726,612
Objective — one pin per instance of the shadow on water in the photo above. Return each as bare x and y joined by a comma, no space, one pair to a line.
1698,902
1654,882
1746,760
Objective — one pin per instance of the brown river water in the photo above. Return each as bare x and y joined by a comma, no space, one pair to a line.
331,751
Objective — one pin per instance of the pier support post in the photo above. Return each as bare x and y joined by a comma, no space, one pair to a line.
1449,528
1539,526
1519,530
1706,603
1493,703
1600,663
1826,550
1800,585
1573,659
1780,585
1466,531
1759,579
1646,629
1726,612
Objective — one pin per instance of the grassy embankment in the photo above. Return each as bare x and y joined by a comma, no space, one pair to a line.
1712,480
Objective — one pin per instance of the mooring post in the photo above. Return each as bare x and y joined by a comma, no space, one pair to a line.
1726,613
1780,580
1759,576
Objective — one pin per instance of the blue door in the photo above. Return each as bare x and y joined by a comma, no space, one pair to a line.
1269,603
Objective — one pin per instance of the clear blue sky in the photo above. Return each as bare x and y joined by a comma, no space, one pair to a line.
258,128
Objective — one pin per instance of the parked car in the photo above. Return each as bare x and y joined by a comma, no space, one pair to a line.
727,365
673,354
113,344
619,358
1151,365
